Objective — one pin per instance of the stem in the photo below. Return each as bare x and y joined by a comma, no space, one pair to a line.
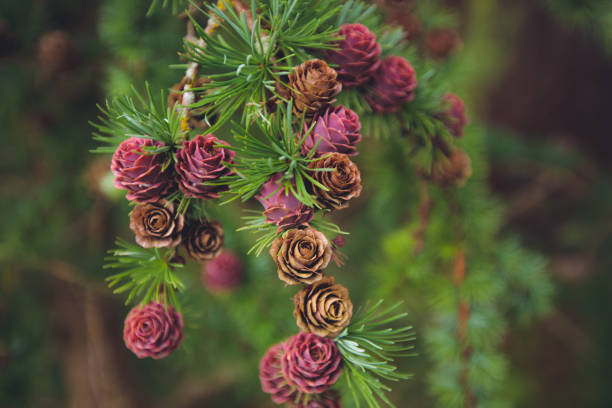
192,69
425,204
441,145
463,315
459,273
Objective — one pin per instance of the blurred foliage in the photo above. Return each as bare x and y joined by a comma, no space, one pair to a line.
591,16
51,211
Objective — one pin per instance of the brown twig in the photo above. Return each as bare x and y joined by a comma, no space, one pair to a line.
459,273
192,70
425,204
463,315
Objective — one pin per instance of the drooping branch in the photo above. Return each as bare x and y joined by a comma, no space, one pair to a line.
192,70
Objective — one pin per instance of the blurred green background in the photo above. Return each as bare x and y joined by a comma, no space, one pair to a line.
536,76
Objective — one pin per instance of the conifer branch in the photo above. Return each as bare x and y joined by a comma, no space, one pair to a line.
128,116
268,148
147,273
368,346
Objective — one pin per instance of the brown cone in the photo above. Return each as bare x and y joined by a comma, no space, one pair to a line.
203,241
454,171
343,184
301,254
323,308
156,225
282,90
56,52
314,86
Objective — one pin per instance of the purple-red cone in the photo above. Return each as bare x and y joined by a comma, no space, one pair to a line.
153,331
328,399
139,172
356,56
454,115
222,273
441,42
394,84
311,363
271,376
281,208
202,160
338,131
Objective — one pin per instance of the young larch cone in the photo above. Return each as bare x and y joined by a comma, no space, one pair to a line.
222,274
301,254
203,240
281,207
311,363
356,54
408,20
339,241
140,172
343,183
271,376
336,130
202,160
441,42
454,115
323,308
394,84
328,399
452,171
314,86
153,330
156,225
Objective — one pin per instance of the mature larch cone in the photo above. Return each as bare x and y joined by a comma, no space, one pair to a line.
196,116
56,52
140,172
336,130
311,363
222,274
203,240
323,308
314,86
441,42
280,96
343,183
281,207
271,376
301,254
200,160
356,54
153,330
394,84
452,171
156,225
454,114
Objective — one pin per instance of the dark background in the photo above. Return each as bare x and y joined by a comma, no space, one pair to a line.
545,102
